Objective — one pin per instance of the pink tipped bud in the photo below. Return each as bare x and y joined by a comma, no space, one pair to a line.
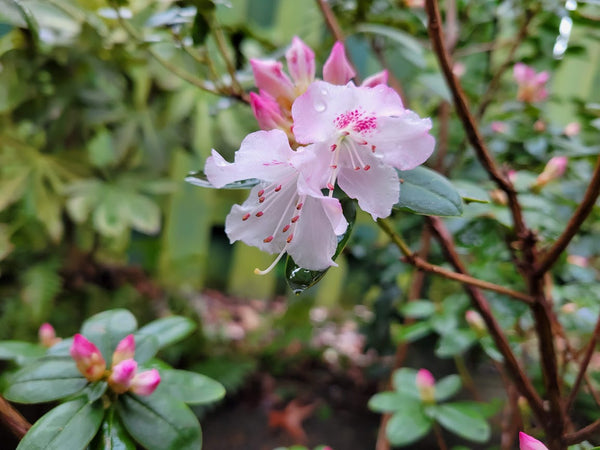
301,63
475,321
376,79
572,129
539,126
512,175
270,78
532,85
426,386
459,69
144,383
47,335
578,260
125,350
499,127
122,375
337,68
88,358
527,442
267,112
555,168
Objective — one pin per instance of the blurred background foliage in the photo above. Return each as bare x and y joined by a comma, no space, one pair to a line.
103,113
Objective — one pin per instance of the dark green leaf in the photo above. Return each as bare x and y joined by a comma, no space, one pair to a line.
45,380
412,332
447,387
418,309
199,179
107,328
424,191
191,387
463,419
407,425
112,435
405,382
146,347
300,279
20,352
159,421
200,28
71,425
169,330
455,343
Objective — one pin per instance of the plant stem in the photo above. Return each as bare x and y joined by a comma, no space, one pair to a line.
13,419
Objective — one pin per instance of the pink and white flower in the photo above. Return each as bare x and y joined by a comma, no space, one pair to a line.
286,212
362,134
532,85
527,442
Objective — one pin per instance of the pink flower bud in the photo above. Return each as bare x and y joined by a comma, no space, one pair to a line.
376,79
475,321
527,442
301,64
426,386
459,69
144,383
122,375
270,78
88,358
125,350
337,68
539,126
532,85
267,112
47,335
554,169
572,129
578,260
499,127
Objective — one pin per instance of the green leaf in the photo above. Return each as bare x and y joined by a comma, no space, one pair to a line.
159,421
71,425
191,387
20,352
455,343
405,382
424,191
407,425
412,332
463,419
447,387
112,435
200,179
107,328
169,330
45,380
391,401
410,48
299,278
101,150
418,309
146,347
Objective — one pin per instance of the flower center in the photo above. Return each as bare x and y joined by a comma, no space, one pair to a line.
357,121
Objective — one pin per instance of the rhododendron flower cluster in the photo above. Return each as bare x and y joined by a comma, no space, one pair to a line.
123,375
318,134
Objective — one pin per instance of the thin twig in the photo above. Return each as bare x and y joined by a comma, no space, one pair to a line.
582,434
15,422
581,213
461,277
330,20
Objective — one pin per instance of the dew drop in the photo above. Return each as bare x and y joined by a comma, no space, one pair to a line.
320,107
324,92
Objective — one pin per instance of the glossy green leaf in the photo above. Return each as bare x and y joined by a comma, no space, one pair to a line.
463,419
424,191
405,382
391,401
107,328
168,330
146,347
412,332
191,387
455,343
408,425
159,421
20,352
45,380
112,435
418,309
199,179
71,425
299,278
447,387
410,48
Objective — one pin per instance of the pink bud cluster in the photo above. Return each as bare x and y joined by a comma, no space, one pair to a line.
123,375
47,335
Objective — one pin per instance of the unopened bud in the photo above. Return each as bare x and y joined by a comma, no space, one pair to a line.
426,386
337,68
475,321
125,350
572,129
499,127
47,335
88,358
301,64
122,375
145,383
539,126
270,78
554,169
527,442
499,197
376,79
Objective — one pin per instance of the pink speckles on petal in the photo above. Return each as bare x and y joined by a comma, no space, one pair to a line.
357,121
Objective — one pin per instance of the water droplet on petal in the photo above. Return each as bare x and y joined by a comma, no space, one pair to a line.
320,107
324,92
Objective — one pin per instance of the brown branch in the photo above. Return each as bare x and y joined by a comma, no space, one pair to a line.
581,213
582,434
330,20
462,108
15,422
589,351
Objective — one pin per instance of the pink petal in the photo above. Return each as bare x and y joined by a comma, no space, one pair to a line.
301,62
527,442
269,77
268,113
88,358
337,68
376,79
145,383
125,350
425,378
47,335
121,375
523,73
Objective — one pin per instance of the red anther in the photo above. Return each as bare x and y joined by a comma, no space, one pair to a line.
259,214
295,219
333,166
261,192
357,168
363,143
268,239
260,200
246,216
287,227
278,188
373,148
367,167
345,133
290,237
299,206
330,186
333,147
